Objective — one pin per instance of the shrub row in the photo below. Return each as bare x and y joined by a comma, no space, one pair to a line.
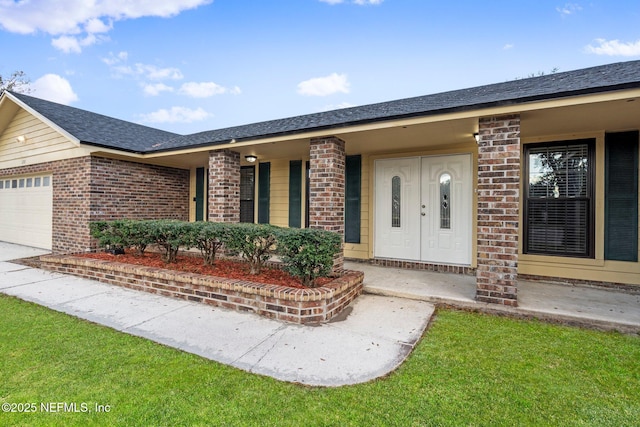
306,253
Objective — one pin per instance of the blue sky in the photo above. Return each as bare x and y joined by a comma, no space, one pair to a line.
194,65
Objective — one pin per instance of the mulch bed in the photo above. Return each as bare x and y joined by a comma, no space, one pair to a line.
230,269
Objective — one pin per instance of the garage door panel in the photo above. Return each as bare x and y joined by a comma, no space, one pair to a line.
26,207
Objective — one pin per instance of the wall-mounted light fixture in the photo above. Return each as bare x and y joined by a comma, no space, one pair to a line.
250,158
476,136
21,139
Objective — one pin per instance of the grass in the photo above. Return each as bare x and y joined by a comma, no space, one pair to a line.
469,369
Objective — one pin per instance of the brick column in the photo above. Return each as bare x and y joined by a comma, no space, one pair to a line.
498,209
326,189
224,186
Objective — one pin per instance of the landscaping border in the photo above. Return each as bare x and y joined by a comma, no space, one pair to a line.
302,306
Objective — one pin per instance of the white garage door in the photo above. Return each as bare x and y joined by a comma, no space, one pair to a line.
26,210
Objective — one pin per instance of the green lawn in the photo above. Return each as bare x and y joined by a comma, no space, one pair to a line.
469,369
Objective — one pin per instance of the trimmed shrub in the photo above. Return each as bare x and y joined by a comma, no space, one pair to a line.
255,243
308,253
170,235
208,237
121,234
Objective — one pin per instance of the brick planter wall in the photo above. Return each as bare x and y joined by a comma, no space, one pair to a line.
498,209
293,305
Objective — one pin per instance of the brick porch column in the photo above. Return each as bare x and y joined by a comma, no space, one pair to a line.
326,189
224,186
498,209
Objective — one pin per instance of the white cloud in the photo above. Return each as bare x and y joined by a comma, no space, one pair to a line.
614,48
205,89
175,115
113,59
152,72
54,88
569,9
337,106
119,68
81,19
508,46
156,89
70,44
322,86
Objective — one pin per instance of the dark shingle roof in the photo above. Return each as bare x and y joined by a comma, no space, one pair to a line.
603,78
96,129
101,130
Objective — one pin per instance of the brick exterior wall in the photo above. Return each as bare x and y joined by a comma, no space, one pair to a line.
122,189
224,186
72,205
326,189
89,189
313,305
498,209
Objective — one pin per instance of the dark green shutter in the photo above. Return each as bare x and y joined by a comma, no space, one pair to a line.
247,193
621,197
295,193
200,194
264,184
353,173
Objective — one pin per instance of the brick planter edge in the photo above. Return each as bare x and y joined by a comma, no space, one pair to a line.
302,306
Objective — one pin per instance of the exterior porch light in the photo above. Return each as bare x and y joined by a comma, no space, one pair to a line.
250,158
476,136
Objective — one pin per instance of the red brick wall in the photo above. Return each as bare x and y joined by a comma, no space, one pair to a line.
122,189
71,205
498,209
224,186
93,188
326,188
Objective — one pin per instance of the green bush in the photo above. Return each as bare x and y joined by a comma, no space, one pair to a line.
121,234
308,253
255,243
208,237
170,235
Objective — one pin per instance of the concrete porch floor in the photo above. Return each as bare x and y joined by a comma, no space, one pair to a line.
606,309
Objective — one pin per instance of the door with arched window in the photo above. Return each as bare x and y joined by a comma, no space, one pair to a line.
423,209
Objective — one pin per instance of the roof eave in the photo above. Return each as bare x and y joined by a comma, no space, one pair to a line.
441,111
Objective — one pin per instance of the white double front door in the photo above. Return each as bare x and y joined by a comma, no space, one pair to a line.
423,209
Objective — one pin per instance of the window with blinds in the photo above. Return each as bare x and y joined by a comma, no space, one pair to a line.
558,198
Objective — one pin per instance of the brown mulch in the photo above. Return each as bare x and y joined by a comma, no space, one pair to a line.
230,269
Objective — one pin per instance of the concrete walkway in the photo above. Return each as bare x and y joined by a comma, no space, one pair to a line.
372,337
600,308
